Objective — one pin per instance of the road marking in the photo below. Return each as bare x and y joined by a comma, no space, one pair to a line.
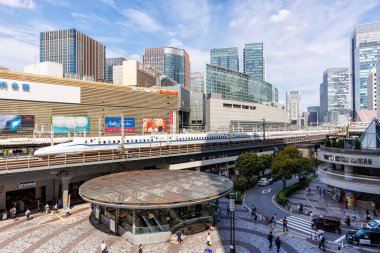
340,238
266,191
59,216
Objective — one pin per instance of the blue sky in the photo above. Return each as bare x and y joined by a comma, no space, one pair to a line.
301,38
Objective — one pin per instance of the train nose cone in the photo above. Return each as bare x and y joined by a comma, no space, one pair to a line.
39,152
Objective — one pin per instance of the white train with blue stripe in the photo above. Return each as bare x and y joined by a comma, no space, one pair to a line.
112,143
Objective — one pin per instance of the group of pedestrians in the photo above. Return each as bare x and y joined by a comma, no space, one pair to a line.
277,242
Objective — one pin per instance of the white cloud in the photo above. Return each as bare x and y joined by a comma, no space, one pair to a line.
115,52
198,58
142,21
175,43
135,57
27,4
18,54
281,15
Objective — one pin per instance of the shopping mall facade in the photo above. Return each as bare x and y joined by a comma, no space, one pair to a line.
353,175
76,106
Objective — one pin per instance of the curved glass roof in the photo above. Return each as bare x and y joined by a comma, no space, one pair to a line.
149,189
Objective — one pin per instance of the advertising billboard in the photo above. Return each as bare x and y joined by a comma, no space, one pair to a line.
113,125
154,125
173,122
65,124
16,124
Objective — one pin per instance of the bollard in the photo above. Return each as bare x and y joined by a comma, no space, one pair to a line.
291,209
342,246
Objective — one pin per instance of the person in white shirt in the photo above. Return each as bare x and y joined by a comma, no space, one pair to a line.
208,239
103,247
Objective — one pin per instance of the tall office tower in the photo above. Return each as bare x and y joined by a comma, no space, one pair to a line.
225,57
171,62
197,99
197,82
365,48
335,93
80,55
110,62
253,60
293,101
378,87
371,90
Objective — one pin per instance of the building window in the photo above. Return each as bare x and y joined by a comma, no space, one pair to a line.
227,105
252,107
237,106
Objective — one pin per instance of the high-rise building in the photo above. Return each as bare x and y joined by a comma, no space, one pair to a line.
313,113
80,55
234,85
378,86
225,57
293,101
110,62
365,48
253,60
197,100
171,62
335,94
371,87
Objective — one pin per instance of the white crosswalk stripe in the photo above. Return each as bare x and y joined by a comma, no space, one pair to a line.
299,224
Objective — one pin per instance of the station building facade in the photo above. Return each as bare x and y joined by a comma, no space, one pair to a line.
353,172
33,103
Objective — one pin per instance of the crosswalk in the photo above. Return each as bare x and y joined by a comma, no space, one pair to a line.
297,224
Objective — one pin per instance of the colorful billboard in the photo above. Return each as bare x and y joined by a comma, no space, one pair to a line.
173,122
113,125
16,124
65,124
154,125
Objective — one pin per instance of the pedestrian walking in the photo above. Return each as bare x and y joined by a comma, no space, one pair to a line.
27,214
348,221
270,224
179,236
274,218
46,208
228,210
278,243
255,218
311,215
140,249
67,212
353,215
13,213
374,213
103,247
208,239
284,224
367,212
322,242
270,239
368,218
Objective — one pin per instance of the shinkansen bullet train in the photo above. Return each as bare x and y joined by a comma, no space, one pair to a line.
96,144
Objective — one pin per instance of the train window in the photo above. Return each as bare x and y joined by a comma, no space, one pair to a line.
127,141
99,142
91,140
135,140
144,140
118,141
114,141
104,142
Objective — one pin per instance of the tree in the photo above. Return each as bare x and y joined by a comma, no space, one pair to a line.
241,183
327,143
357,144
266,160
301,166
282,168
249,164
291,151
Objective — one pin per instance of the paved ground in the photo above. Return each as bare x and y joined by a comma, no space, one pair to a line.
53,233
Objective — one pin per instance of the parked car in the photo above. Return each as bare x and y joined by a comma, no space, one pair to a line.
374,224
265,181
326,223
365,236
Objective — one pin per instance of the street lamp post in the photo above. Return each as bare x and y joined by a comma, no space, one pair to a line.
182,103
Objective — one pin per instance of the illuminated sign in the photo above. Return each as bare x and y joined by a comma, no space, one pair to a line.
154,125
13,124
169,92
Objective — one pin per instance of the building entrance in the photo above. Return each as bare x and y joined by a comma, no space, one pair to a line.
22,199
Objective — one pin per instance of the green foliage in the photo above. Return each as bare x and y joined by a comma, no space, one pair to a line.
340,143
328,143
282,196
333,143
291,151
266,160
282,167
357,144
249,164
242,184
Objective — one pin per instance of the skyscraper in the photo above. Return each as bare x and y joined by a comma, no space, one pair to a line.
365,48
171,62
335,94
110,62
225,57
293,101
197,82
80,55
372,90
253,60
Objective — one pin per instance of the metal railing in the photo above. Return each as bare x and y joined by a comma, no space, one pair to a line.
350,151
321,171
67,160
